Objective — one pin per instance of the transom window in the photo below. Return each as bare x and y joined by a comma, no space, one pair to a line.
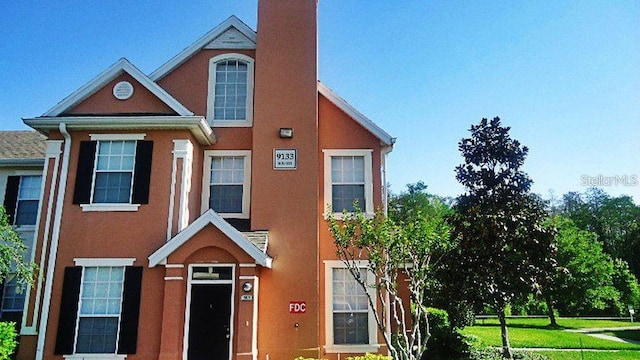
99,310
115,160
28,198
226,183
348,180
230,99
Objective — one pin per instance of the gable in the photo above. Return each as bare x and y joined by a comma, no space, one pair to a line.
232,34
122,66
103,101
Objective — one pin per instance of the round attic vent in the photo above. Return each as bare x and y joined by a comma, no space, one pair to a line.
123,90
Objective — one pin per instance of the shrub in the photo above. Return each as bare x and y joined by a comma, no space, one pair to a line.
8,341
370,357
445,342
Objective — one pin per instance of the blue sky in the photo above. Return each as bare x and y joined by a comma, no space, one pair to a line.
565,75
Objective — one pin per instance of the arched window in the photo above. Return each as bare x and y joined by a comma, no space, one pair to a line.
230,100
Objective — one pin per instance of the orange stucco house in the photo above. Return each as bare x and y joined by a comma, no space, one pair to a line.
182,213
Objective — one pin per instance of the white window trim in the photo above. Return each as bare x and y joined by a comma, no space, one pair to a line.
104,261
99,262
368,178
112,206
95,357
116,137
42,185
330,347
246,188
248,122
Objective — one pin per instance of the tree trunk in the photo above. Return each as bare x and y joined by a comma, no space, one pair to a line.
504,333
552,315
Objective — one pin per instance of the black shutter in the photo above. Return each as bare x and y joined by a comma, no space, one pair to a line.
68,310
84,173
11,197
142,176
127,344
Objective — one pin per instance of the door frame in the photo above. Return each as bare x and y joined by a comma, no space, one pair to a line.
190,281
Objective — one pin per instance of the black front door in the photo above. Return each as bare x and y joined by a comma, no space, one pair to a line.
209,323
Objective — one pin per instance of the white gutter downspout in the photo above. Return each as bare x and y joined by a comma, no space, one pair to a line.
46,302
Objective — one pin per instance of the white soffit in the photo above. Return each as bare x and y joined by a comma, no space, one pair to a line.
364,121
232,34
121,66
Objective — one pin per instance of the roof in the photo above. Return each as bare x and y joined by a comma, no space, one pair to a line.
22,145
356,115
121,66
257,249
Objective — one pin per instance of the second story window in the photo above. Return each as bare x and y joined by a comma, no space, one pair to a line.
226,183
22,198
348,180
113,173
230,99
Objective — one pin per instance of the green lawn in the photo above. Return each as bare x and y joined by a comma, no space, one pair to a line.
566,323
590,355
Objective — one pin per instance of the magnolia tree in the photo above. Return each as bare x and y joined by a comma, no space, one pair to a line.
394,251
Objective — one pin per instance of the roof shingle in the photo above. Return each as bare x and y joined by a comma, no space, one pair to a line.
22,145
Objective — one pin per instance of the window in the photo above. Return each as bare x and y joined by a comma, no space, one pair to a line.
348,180
350,323
13,297
22,199
226,184
113,172
100,308
230,100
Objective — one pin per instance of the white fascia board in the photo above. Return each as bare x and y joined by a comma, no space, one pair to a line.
122,65
187,53
364,121
196,124
209,217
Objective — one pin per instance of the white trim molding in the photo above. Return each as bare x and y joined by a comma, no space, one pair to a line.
330,347
356,115
246,184
95,357
210,217
97,137
368,178
109,207
104,261
211,96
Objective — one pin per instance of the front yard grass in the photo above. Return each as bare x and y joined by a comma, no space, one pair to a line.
625,334
591,355
536,333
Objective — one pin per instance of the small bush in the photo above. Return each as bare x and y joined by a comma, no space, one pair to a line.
370,357
8,341
445,341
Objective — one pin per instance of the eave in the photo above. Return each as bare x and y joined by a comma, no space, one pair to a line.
196,124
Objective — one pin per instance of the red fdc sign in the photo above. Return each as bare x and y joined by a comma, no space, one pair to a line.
297,307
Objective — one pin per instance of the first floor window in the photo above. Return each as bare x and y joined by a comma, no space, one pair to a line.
100,307
350,322
350,309
13,296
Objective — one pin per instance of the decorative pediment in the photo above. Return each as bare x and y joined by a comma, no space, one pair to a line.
254,245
